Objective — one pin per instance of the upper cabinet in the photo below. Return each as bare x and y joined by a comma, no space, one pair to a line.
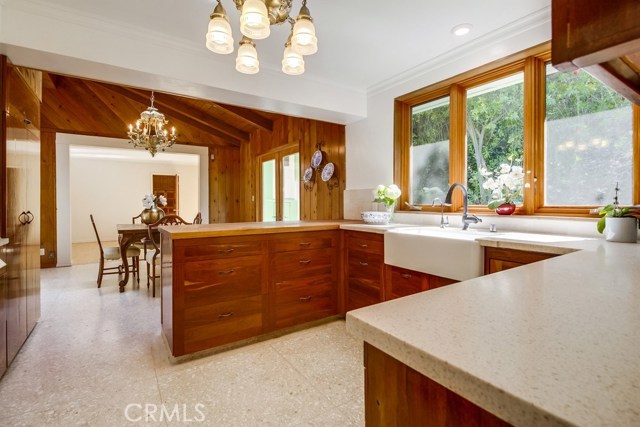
603,38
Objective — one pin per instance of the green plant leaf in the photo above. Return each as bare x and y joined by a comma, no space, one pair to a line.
495,204
601,224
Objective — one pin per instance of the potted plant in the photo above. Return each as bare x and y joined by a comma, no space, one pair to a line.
506,187
620,223
387,196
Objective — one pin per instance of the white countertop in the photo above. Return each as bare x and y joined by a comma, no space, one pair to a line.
554,343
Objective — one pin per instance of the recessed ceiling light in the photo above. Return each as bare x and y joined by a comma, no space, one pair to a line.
462,29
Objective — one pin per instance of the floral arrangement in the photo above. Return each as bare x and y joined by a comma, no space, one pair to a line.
150,201
506,184
387,195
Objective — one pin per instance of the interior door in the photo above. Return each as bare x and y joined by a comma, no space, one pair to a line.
167,186
279,184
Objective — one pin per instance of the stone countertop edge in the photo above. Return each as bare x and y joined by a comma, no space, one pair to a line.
553,343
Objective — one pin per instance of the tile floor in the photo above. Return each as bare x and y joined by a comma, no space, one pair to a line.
96,352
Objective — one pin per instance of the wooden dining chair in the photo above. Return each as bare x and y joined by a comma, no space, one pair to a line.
112,253
152,247
198,218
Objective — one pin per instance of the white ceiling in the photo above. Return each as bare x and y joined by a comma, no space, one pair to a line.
364,47
361,43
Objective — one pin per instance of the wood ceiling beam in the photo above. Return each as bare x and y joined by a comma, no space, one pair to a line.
173,104
143,98
250,116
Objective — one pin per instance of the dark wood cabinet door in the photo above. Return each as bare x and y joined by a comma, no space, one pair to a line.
3,320
500,259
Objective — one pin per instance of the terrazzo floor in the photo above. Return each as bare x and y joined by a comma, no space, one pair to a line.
96,358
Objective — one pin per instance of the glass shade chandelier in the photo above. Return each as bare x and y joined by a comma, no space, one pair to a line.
256,19
149,132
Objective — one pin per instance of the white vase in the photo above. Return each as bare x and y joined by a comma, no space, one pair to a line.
623,230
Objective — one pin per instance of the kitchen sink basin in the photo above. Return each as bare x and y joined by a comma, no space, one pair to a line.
449,252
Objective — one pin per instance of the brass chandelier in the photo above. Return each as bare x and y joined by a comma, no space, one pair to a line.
149,132
255,20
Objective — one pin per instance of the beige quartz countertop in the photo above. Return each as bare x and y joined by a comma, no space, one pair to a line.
554,343
244,228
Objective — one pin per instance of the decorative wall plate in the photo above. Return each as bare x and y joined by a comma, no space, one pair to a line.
316,159
308,174
327,172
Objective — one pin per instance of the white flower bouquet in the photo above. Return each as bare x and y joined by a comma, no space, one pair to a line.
506,184
150,201
387,195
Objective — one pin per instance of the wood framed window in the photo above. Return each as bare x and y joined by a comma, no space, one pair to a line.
573,137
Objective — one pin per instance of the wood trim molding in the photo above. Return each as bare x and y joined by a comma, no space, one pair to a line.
534,115
636,154
457,142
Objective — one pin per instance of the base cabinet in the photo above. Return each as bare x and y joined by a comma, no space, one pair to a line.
500,259
398,396
219,290
401,282
364,269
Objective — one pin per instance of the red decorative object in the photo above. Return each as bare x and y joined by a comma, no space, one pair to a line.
506,209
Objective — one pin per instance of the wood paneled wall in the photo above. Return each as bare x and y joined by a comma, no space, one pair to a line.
321,201
48,214
225,185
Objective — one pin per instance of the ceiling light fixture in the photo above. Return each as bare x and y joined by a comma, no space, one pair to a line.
462,29
149,132
256,19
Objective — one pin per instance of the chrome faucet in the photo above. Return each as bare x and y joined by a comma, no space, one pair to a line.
443,223
466,218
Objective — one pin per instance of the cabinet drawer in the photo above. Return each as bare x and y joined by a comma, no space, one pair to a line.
406,282
359,296
365,266
287,266
208,282
438,282
304,304
365,242
220,323
301,241
223,247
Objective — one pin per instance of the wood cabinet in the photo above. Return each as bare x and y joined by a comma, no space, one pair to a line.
3,312
21,206
400,282
603,38
218,290
499,259
398,396
364,269
304,277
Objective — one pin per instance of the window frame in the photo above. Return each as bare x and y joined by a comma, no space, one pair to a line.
532,63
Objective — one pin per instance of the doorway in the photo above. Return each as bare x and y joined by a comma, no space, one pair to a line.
279,185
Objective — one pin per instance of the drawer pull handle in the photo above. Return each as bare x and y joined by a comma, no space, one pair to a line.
304,261
305,243
225,251
226,272
406,276
225,315
363,245
364,263
305,299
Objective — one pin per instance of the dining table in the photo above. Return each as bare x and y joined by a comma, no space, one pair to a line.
127,235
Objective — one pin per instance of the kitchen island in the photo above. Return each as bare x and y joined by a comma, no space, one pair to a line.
554,343
225,283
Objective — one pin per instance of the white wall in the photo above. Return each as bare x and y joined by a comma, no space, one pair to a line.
370,141
107,177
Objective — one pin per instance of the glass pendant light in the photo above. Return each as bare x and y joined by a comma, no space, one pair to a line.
254,21
247,60
219,37
304,40
292,62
